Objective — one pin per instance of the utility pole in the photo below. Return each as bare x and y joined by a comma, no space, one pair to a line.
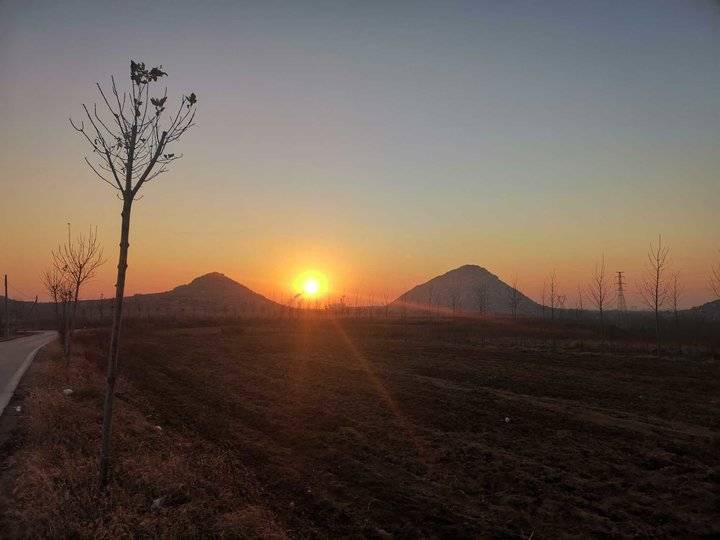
7,316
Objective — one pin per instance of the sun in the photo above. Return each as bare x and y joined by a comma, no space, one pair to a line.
311,284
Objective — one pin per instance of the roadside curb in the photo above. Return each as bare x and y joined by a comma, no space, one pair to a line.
7,392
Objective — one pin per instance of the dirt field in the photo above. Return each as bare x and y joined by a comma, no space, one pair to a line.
377,429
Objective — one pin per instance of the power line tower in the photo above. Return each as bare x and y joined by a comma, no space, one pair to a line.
621,305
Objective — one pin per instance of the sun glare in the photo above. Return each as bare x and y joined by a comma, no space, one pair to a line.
311,284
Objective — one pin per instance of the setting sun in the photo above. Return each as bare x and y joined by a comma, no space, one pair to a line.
311,287
311,284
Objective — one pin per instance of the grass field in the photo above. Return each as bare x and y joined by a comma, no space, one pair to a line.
368,428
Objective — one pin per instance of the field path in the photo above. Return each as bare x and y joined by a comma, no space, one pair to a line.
15,357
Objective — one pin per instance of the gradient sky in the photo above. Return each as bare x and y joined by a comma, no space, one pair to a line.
382,143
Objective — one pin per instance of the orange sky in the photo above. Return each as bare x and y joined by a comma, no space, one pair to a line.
379,146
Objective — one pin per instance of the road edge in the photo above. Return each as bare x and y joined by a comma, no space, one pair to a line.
7,392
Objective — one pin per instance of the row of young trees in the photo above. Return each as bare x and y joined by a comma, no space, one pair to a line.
659,290
72,265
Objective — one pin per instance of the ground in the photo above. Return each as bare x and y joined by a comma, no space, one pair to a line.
368,428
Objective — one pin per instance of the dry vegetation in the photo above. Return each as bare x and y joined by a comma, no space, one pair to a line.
336,428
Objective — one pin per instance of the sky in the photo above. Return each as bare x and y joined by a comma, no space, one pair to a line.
379,143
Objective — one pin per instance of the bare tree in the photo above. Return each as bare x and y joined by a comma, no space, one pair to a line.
553,294
514,298
676,291
431,288
130,142
58,285
482,298
599,292
455,299
80,259
715,280
653,287
579,302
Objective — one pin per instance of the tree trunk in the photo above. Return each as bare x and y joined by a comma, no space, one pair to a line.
73,315
57,315
657,330
63,326
115,340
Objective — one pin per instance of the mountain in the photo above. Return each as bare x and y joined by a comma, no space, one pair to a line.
210,294
466,290
710,311
213,294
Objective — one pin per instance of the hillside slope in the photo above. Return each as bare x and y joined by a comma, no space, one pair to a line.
467,289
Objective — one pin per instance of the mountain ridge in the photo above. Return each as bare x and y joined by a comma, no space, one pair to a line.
469,288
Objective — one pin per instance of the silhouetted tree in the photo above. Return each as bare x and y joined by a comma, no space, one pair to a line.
430,299
675,294
482,298
553,294
514,298
455,296
130,142
653,287
80,260
599,292
715,280
579,302
58,285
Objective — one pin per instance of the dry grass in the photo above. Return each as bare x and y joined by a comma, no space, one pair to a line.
326,429
207,491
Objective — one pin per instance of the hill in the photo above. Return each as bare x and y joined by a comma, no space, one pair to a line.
211,294
468,289
710,311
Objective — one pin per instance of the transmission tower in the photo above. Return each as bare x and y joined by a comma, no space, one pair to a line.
621,305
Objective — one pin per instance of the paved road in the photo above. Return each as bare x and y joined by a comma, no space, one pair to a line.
15,357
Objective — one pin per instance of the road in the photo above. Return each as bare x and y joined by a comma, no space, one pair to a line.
15,357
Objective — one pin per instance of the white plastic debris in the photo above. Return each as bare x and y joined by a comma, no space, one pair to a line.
159,428
507,419
18,408
158,504
67,391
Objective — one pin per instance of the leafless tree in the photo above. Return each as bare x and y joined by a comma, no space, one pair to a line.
579,302
386,303
58,285
599,292
514,298
715,280
482,298
653,286
431,288
542,301
80,259
130,141
455,296
676,291
553,294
